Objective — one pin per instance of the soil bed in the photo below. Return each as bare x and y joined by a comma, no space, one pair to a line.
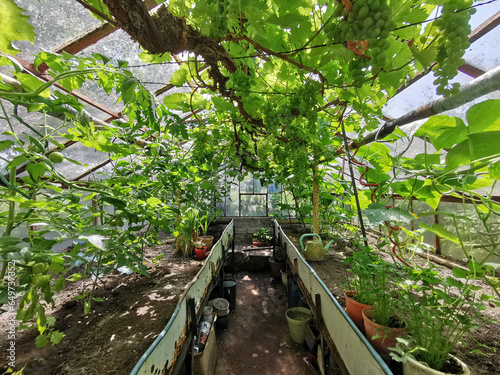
485,339
116,332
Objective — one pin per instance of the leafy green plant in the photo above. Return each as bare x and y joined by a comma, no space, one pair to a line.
264,235
438,312
187,229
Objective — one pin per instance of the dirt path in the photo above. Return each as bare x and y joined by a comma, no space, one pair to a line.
256,340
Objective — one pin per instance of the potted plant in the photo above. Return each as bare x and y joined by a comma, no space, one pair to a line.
200,250
187,231
439,311
262,237
382,321
358,285
204,224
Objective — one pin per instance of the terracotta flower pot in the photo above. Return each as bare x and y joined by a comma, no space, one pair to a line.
413,367
354,310
208,241
387,335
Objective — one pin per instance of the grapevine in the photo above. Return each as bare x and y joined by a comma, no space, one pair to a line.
454,26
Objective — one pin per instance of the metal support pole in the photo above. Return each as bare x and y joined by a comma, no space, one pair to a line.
360,216
485,84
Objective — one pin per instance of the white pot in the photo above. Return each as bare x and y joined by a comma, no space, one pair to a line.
413,367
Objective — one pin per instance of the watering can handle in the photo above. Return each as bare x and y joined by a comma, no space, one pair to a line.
307,235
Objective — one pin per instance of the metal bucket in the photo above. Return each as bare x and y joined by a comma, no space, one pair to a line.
230,293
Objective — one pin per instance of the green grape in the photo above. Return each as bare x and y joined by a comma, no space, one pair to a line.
451,45
363,12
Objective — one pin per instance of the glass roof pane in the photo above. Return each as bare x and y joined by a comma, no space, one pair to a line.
119,46
101,174
34,119
55,22
84,155
483,12
484,52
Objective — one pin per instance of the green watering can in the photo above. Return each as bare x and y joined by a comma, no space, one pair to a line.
314,249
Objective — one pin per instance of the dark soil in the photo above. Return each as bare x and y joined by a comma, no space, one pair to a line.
116,332
479,350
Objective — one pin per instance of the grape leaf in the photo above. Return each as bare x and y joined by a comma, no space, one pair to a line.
443,131
484,116
377,213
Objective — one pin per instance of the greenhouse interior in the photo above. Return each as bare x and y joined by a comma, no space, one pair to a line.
250,187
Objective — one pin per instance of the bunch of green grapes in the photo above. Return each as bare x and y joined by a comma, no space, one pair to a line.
367,19
455,29
307,101
300,164
271,116
357,69
378,54
240,82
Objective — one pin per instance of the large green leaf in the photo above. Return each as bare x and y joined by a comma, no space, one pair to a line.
484,116
477,146
36,170
441,232
5,144
31,83
377,213
118,203
180,76
14,26
443,131
364,200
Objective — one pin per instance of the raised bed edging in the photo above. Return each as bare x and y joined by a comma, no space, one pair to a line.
162,355
357,354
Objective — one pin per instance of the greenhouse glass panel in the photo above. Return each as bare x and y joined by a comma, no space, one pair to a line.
118,46
274,188
468,226
258,188
55,23
253,205
233,203
246,186
480,54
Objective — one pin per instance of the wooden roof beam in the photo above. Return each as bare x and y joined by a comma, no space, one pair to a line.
94,35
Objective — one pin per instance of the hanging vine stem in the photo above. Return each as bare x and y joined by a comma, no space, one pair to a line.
279,55
392,228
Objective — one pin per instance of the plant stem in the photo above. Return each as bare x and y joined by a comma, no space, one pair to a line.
10,218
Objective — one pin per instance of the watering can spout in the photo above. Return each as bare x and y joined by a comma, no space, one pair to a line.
328,246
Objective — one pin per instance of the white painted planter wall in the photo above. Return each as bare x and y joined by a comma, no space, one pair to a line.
161,356
357,354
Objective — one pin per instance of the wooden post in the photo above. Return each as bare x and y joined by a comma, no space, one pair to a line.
315,200
437,241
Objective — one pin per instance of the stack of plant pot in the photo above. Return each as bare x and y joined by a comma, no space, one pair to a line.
221,308
410,314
